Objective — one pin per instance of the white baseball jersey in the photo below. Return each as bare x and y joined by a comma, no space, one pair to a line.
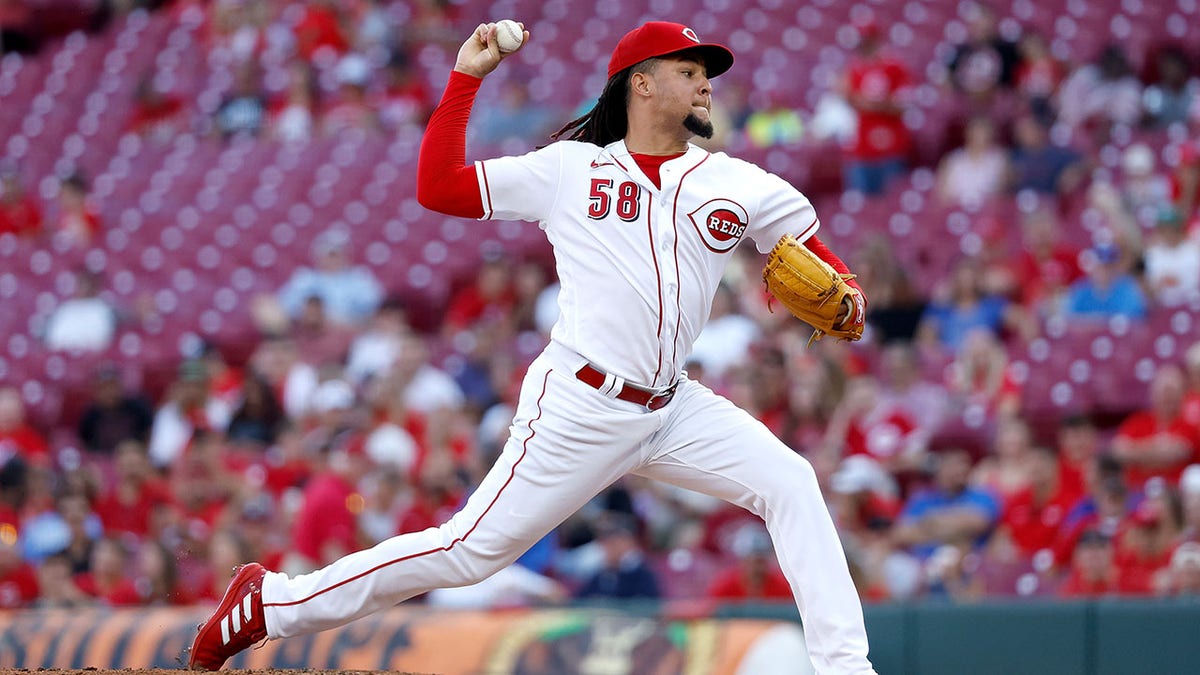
639,265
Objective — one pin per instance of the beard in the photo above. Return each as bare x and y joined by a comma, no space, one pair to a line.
698,127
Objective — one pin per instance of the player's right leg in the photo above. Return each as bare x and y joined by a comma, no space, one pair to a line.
567,442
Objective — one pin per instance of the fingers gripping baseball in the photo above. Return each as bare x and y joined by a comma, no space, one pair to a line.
481,53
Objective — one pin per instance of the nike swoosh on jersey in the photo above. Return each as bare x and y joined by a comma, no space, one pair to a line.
597,166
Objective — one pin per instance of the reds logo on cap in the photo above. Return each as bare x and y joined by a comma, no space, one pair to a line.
720,224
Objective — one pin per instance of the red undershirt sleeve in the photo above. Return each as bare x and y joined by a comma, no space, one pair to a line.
822,251
445,182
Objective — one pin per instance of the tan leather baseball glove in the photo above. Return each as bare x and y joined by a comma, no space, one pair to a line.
813,291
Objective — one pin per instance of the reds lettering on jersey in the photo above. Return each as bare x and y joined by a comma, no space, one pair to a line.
633,260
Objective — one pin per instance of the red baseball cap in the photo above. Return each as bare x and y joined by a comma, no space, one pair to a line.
659,38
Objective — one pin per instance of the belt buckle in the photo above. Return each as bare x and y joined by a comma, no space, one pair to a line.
660,400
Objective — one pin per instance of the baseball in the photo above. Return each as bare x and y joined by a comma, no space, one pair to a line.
509,35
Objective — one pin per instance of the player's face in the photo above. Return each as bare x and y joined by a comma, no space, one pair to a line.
685,93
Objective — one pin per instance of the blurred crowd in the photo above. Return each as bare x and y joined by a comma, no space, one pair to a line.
344,424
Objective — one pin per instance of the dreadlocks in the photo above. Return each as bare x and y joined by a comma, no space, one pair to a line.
608,120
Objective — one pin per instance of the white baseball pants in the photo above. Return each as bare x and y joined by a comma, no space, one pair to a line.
567,443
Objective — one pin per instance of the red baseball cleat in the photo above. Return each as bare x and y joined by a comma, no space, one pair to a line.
237,624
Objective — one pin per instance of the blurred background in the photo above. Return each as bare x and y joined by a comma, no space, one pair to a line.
230,333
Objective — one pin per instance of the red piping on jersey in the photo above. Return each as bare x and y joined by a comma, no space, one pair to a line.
445,182
658,285
487,190
678,284
441,549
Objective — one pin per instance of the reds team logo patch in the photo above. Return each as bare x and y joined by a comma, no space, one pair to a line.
720,223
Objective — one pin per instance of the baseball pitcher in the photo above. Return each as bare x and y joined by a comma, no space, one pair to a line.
643,224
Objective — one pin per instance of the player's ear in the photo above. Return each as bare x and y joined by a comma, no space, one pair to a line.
639,83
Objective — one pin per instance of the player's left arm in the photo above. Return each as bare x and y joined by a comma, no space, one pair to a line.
784,210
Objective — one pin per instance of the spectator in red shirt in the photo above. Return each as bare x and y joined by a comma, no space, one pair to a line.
1038,74
326,527
756,574
77,219
1034,515
876,86
491,295
1157,442
1007,470
18,580
1093,571
1145,543
108,582
321,28
405,100
1045,266
128,506
17,437
19,212
157,115
1078,446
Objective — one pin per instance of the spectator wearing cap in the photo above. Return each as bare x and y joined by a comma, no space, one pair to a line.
949,511
1104,507
350,293
113,415
1145,192
1172,262
1146,540
624,572
17,436
1107,291
1093,571
877,86
20,213
1157,441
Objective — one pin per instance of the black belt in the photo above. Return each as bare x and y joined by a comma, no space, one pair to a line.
651,399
